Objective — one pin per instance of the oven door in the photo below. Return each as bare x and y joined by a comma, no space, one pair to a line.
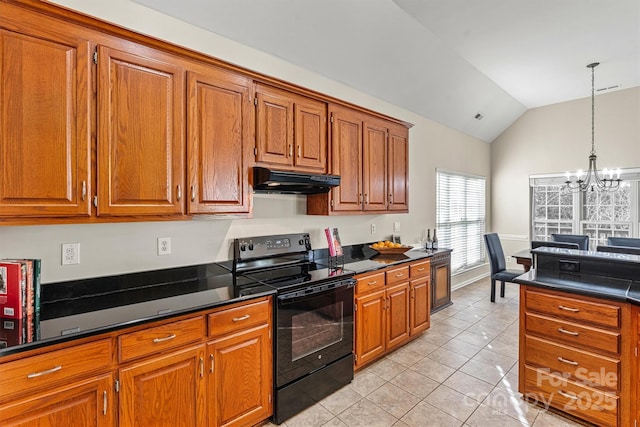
315,328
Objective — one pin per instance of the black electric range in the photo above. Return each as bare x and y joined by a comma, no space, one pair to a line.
313,347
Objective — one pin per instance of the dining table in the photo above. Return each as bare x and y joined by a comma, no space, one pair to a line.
523,258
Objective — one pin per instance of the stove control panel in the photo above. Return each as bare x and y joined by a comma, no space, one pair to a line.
267,246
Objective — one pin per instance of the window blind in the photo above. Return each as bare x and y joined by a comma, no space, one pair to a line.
461,217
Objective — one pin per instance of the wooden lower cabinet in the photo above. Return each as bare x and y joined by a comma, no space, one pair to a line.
397,315
240,380
635,371
164,391
213,368
370,327
391,309
575,355
87,403
419,306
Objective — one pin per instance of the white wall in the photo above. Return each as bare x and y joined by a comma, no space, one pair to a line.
557,139
125,247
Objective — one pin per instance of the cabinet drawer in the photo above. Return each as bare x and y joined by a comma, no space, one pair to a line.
237,318
46,370
397,275
419,269
153,340
574,308
574,334
584,367
369,283
581,401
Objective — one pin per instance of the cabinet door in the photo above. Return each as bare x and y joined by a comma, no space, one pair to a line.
441,283
370,327
165,391
346,161
397,315
398,172
44,127
140,134
86,403
374,167
220,119
419,320
240,378
310,135
274,130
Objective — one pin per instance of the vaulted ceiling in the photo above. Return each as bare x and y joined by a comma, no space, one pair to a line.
447,60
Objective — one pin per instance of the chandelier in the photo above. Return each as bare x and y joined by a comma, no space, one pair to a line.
592,181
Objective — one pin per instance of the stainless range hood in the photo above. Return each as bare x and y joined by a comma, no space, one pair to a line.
274,181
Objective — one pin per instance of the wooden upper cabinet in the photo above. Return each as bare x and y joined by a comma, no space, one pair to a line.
398,169
371,155
310,137
291,131
141,145
374,166
274,132
346,160
219,141
44,127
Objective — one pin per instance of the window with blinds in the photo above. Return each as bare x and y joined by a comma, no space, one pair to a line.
461,217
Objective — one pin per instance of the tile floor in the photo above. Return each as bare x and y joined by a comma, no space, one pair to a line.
462,372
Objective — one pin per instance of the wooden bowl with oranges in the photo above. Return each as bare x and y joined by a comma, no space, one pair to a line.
388,247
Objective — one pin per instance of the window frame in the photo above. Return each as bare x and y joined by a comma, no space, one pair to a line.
631,178
463,258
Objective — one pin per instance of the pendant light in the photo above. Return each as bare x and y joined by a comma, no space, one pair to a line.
592,181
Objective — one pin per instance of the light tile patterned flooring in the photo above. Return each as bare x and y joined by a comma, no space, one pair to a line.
462,372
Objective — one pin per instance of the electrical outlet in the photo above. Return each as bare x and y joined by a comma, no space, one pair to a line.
396,227
373,229
70,253
164,246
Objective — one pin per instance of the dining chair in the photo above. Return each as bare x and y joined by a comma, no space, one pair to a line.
498,264
581,239
629,242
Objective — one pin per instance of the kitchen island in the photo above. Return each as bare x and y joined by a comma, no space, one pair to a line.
579,334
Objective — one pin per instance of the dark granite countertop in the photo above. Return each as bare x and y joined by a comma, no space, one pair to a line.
362,259
595,286
80,308
612,276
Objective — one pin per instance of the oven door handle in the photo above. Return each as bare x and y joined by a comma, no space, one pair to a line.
313,291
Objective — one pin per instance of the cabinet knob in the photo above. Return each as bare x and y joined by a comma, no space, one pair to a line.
193,193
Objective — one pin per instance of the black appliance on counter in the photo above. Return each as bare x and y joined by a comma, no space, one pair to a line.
313,346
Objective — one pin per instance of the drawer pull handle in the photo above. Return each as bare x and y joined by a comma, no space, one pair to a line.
570,362
564,331
212,360
573,310
104,403
567,395
421,269
48,371
167,338
240,319
373,282
399,274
